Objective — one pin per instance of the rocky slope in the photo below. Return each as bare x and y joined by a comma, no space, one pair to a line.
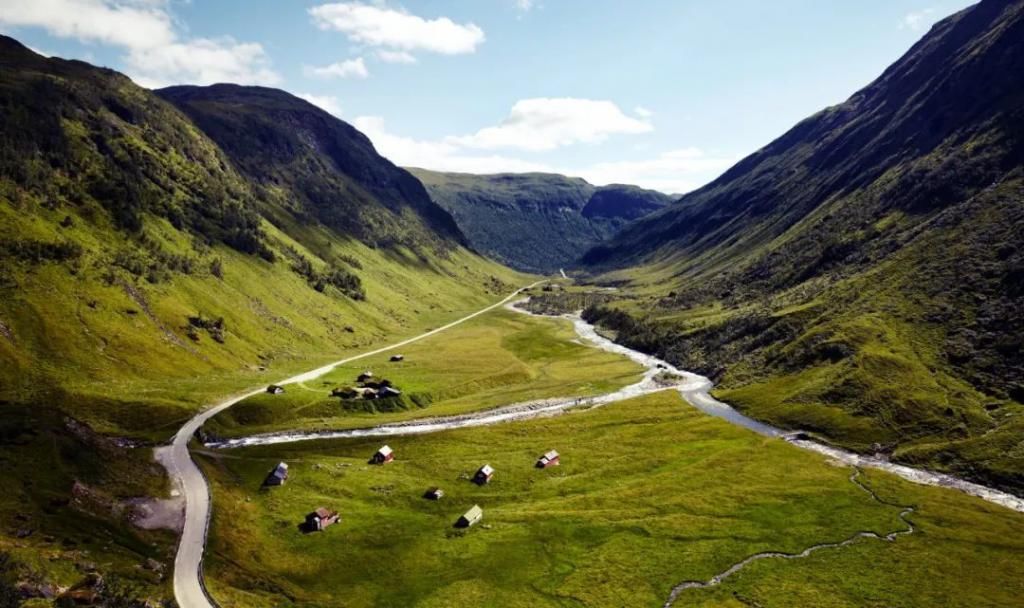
538,222
861,276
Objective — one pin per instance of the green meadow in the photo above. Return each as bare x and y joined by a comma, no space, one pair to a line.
650,493
499,358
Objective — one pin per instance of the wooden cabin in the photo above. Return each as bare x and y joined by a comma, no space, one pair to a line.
321,519
274,389
383,455
388,391
483,475
550,459
470,517
278,476
434,494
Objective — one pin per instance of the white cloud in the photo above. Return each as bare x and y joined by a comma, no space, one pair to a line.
126,24
918,20
379,26
201,61
156,55
643,112
396,57
354,68
676,171
525,5
328,103
549,123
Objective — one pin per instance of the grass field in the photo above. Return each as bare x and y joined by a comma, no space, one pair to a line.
499,358
650,493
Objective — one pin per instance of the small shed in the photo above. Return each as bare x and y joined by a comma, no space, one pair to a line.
470,517
483,475
550,459
385,454
397,358
274,389
321,519
278,476
434,494
345,392
363,377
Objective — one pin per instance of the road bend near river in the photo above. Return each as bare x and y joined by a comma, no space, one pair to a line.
659,376
189,590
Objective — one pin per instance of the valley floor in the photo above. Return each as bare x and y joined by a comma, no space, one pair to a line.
651,493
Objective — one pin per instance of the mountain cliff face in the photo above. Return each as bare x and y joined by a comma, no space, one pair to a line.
313,164
537,222
148,268
862,275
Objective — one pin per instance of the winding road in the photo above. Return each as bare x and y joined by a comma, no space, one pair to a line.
186,477
188,584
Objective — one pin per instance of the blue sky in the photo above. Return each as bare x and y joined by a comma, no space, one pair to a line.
663,93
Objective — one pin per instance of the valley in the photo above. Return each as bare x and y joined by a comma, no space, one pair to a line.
248,359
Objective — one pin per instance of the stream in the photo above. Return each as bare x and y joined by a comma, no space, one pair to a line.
694,388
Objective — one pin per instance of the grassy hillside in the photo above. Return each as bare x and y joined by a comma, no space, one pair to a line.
650,493
860,277
537,222
144,273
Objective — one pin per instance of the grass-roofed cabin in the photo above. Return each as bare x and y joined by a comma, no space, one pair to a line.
470,518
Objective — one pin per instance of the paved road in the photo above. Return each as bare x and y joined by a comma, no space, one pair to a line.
187,478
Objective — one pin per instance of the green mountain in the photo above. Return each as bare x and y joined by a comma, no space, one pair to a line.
312,165
537,222
153,260
862,276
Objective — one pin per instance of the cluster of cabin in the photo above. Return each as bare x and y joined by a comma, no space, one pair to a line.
367,387
322,517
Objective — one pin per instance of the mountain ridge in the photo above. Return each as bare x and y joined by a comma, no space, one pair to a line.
537,222
859,277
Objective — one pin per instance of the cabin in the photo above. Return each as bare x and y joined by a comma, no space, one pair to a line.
483,475
434,494
363,377
385,454
470,517
397,358
550,459
278,476
345,392
274,389
388,391
321,519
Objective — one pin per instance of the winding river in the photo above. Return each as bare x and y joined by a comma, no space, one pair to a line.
694,388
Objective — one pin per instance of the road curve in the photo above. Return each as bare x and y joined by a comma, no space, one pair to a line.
186,477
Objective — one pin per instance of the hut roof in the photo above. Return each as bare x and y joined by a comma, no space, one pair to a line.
475,513
384,451
486,470
323,513
551,455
